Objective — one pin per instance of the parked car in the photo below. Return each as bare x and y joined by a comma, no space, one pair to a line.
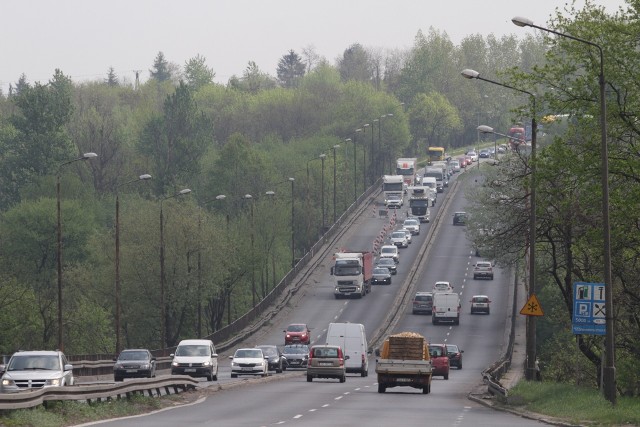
134,363
455,355
442,287
197,358
422,303
389,264
413,225
297,333
29,370
326,361
459,218
483,269
296,356
249,361
390,251
381,276
275,360
399,238
480,304
439,360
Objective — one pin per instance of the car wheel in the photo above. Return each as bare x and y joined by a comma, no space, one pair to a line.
381,388
343,378
309,378
446,376
426,389
214,377
279,369
460,365
117,378
234,375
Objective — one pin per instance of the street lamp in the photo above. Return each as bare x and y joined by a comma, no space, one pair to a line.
163,319
373,169
293,236
345,173
364,156
322,157
143,177
253,275
334,148
85,156
222,197
530,372
355,175
609,371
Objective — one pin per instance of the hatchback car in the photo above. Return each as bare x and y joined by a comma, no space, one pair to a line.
442,287
297,333
390,251
439,360
326,361
422,303
480,304
274,358
249,361
408,233
134,363
28,370
483,269
413,225
399,238
295,356
381,276
459,218
455,355
389,264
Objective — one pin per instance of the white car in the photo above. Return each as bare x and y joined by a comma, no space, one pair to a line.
480,304
34,370
394,202
442,286
249,361
408,233
473,155
390,251
399,238
413,225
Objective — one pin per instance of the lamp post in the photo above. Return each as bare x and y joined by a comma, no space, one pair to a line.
373,170
322,157
345,173
385,154
293,236
364,156
355,162
143,177
222,197
609,371
85,156
163,319
530,372
253,275
334,148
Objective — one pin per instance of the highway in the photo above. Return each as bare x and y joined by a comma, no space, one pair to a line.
288,399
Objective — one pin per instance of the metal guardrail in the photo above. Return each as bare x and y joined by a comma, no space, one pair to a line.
145,386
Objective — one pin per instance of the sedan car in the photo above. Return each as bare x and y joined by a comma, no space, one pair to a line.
399,238
296,356
134,363
389,264
480,304
276,361
248,361
455,355
326,361
381,276
297,333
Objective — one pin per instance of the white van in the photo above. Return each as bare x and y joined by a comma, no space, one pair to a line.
197,358
446,308
353,340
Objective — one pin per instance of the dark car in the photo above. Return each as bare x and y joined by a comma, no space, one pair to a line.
388,263
274,357
422,303
459,218
297,333
296,356
381,276
455,355
134,363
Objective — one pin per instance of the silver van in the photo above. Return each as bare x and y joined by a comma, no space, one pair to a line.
197,358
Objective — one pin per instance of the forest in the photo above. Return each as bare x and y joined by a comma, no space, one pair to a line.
224,244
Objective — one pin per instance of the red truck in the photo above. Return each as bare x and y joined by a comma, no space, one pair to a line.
352,272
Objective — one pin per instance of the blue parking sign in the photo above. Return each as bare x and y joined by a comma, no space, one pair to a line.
589,315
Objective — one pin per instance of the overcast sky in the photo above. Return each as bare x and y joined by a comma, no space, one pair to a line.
83,38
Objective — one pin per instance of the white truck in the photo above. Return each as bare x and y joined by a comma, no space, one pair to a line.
404,360
406,166
352,338
392,185
446,308
438,173
352,272
419,201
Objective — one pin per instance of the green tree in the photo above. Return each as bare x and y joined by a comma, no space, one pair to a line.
432,119
356,64
290,69
160,70
112,78
197,73
253,80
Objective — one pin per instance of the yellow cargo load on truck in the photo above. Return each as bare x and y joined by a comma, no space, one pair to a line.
404,361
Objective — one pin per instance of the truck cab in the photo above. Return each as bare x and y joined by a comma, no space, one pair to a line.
352,272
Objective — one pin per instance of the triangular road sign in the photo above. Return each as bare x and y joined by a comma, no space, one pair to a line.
532,307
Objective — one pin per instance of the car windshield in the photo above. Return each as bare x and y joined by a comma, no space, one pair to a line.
398,234
295,350
192,350
389,250
133,355
325,352
248,353
48,362
411,222
435,351
380,271
295,328
451,348
480,299
385,261
423,297
269,351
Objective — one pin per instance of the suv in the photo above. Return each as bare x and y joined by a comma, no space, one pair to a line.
483,269
399,238
197,358
134,363
29,370
422,303
326,361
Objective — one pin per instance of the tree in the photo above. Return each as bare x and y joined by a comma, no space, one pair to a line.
355,64
112,78
197,74
160,70
253,80
432,119
290,69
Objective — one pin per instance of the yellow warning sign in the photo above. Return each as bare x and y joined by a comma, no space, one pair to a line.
532,307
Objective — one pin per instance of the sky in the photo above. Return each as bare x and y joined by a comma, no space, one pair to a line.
83,38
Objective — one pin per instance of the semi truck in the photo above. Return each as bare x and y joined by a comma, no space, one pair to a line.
392,185
438,173
352,272
419,201
404,361
406,166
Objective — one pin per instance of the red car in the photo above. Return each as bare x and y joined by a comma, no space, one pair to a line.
439,360
297,333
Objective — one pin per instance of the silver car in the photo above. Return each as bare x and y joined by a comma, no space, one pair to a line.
28,370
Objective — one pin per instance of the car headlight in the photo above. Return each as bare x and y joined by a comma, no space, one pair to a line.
6,382
207,363
117,366
174,364
235,364
145,366
54,381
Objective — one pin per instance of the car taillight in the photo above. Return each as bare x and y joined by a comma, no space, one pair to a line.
309,357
